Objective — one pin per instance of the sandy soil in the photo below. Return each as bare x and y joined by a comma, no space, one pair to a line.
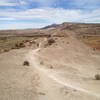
62,71
17,82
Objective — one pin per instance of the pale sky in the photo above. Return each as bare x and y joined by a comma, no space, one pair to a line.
19,14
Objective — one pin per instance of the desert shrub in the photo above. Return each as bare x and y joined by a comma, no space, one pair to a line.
13,47
16,45
41,63
97,76
67,42
41,93
26,41
19,45
51,41
48,42
49,35
51,67
6,50
3,38
26,63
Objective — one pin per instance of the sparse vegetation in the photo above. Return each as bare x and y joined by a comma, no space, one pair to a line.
51,67
91,40
19,45
8,43
41,93
51,41
97,76
41,63
6,50
26,63
55,67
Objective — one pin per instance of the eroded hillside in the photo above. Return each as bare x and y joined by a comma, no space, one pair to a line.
51,64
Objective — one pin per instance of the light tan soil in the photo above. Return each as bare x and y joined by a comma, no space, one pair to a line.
63,71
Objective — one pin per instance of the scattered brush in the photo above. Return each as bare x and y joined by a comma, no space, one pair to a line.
19,45
26,63
41,63
51,41
97,76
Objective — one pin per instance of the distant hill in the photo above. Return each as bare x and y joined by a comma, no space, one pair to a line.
50,26
82,28
78,28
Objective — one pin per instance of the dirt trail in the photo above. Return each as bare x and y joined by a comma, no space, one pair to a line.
62,71
57,80
70,64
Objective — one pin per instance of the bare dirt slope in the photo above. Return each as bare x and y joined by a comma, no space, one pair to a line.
17,82
72,65
63,70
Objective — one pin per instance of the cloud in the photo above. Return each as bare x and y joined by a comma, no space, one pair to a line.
41,3
80,4
5,19
52,15
21,25
85,4
53,3
47,12
7,3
